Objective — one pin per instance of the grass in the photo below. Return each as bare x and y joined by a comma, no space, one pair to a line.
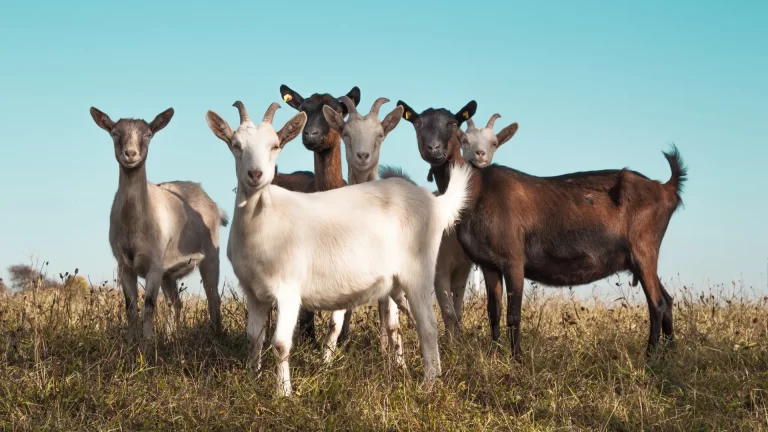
64,365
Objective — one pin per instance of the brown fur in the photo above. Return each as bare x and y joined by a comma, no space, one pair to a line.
570,230
565,230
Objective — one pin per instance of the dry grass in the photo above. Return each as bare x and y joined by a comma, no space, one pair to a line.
65,366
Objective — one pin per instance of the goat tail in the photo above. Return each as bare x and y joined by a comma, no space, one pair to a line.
223,218
679,171
454,200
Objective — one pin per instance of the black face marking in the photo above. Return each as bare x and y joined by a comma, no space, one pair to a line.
317,130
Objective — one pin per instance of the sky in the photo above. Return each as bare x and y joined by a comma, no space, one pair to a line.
592,84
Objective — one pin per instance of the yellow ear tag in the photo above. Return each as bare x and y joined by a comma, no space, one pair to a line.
407,115
287,98
466,115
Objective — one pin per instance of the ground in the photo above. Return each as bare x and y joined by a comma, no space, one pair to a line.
65,365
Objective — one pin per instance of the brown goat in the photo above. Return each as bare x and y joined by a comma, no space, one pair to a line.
325,142
565,230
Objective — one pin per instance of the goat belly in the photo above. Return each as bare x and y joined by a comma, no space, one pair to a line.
574,257
344,294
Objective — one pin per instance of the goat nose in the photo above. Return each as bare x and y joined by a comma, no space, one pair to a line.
311,133
254,174
130,153
480,153
363,156
434,147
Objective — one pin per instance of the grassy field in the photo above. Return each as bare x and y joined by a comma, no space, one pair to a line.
64,365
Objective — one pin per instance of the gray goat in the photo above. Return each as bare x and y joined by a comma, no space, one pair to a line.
159,232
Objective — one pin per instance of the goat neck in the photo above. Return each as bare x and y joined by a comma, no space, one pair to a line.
357,177
328,167
132,192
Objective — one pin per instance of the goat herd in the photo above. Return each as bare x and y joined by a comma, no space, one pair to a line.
311,241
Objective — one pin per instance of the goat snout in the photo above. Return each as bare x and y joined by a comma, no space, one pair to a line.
312,136
363,156
130,153
434,147
480,153
255,175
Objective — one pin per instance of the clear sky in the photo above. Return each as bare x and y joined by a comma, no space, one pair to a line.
593,85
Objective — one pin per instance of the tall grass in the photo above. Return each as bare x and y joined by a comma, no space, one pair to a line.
65,365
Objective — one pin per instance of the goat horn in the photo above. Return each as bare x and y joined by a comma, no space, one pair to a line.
470,124
241,109
492,120
377,104
270,112
349,104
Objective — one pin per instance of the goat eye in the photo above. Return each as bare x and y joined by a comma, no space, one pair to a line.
276,148
148,135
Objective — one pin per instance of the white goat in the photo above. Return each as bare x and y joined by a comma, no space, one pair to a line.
363,136
329,250
479,144
159,232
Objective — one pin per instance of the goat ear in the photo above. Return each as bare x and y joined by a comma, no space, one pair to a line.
466,112
353,94
102,120
460,134
293,128
334,119
408,112
290,97
505,134
161,120
392,119
219,127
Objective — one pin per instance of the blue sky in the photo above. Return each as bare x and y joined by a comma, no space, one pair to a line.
592,84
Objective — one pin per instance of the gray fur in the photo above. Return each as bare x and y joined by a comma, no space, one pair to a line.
160,232
386,171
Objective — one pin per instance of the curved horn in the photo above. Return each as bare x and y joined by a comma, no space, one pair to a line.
470,125
349,104
243,113
270,114
377,104
492,120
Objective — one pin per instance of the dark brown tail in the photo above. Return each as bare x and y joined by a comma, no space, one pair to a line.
679,172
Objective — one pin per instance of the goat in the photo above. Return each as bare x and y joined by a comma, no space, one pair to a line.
565,230
478,145
159,232
363,137
332,260
318,137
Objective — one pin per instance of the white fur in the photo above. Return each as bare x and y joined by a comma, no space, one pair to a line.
319,251
363,137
